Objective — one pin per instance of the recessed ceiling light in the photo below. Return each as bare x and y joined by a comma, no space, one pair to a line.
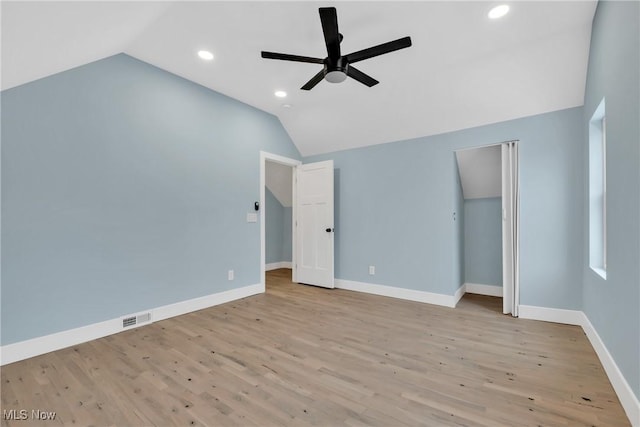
205,54
499,11
280,93
286,105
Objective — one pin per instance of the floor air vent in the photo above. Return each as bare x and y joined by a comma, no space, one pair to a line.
129,321
135,320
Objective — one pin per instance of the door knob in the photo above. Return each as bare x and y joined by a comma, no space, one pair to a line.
329,230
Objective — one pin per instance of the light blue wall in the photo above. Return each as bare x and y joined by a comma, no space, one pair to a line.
394,205
613,306
274,227
125,188
277,230
483,241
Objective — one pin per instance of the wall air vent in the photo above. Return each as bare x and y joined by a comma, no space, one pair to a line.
136,320
128,321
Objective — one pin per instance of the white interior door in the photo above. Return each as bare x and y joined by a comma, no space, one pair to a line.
510,229
314,231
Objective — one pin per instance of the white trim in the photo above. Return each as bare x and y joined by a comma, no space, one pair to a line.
480,289
401,293
627,397
556,315
195,304
277,265
264,156
459,294
36,346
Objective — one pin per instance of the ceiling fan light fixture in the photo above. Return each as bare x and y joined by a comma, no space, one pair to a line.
498,11
335,76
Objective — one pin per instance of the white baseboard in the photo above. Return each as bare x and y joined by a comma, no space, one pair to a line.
36,346
627,397
556,315
401,293
459,294
480,289
195,304
277,265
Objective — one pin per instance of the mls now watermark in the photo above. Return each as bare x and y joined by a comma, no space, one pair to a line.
24,415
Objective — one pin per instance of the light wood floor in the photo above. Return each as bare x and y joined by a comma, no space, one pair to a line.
300,355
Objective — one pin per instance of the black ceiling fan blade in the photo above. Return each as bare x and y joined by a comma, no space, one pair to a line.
287,57
314,81
361,77
329,20
380,49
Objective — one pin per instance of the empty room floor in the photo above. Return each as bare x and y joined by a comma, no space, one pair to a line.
301,355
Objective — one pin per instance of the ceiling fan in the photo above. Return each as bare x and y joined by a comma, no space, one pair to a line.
337,66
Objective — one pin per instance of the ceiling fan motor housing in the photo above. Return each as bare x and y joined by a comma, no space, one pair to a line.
335,71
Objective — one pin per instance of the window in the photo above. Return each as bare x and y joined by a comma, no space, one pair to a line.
598,191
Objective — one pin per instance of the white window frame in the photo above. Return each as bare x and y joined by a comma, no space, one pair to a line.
604,192
598,191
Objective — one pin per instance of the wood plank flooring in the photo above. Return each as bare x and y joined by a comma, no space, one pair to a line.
300,355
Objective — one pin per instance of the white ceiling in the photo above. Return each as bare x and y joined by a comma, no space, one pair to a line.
463,69
480,172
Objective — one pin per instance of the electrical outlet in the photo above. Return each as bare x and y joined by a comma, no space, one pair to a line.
230,274
372,270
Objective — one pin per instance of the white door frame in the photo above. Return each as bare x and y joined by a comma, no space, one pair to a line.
264,157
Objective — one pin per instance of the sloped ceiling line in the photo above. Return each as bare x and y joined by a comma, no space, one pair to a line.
463,69
279,180
480,172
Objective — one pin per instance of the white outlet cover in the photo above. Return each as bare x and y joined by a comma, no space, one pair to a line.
372,270
252,217
230,274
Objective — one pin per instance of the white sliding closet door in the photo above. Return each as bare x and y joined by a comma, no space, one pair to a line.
510,229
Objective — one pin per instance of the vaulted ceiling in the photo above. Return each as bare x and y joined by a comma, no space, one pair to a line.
463,69
480,171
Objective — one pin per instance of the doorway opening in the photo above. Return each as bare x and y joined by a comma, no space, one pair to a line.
278,209
312,228
277,215
489,224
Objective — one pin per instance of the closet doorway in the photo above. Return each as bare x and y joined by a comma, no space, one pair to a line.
277,213
489,181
